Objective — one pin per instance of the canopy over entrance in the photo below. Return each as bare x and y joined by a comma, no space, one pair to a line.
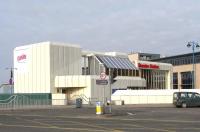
116,62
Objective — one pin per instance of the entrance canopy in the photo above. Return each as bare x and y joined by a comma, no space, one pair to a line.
116,62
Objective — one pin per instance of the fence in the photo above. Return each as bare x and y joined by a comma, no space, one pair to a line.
22,101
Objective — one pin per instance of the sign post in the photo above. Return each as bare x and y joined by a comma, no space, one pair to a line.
103,77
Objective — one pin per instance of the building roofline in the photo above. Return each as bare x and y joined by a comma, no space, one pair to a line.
142,53
176,56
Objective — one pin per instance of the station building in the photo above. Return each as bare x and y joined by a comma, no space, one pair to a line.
68,72
157,75
183,70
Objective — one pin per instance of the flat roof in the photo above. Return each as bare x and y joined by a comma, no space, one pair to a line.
176,56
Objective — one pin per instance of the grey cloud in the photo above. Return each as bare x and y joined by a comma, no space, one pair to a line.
157,26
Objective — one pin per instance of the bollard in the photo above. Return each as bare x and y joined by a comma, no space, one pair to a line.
108,107
99,108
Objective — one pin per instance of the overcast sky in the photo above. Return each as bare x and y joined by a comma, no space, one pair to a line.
155,26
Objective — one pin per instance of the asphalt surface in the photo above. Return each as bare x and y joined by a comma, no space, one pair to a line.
123,118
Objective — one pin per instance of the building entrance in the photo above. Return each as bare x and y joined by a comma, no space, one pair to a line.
155,79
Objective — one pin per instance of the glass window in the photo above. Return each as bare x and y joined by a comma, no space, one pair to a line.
183,95
190,95
117,62
175,80
186,80
197,95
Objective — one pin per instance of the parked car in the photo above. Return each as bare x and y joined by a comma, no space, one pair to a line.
186,99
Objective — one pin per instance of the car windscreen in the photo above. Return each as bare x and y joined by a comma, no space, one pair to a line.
183,95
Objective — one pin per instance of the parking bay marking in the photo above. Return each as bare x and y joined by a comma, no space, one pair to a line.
88,117
58,128
53,126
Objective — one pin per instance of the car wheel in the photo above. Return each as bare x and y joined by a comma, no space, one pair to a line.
184,105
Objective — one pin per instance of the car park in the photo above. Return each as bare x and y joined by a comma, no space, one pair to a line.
186,99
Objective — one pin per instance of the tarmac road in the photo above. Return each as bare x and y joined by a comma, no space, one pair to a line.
123,118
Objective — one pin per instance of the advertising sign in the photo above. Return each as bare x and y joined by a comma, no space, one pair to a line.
21,59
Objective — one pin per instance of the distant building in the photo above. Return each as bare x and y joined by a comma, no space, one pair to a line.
182,70
144,56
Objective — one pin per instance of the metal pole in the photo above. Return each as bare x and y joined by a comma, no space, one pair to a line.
193,70
104,95
110,76
194,45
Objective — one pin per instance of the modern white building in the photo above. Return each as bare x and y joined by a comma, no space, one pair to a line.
68,72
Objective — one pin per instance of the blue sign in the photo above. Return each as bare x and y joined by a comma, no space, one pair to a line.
102,82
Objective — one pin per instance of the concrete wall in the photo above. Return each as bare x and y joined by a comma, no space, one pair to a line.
64,60
147,96
59,99
78,85
82,86
133,57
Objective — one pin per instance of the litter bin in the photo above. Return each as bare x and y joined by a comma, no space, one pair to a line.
78,103
99,108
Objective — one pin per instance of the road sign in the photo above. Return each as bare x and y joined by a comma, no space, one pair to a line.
102,82
103,75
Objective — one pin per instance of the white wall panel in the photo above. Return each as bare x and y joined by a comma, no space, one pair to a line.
44,61
148,96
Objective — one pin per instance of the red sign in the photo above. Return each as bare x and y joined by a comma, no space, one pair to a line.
148,66
103,75
21,58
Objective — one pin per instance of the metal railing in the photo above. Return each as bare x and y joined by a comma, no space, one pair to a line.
83,97
22,102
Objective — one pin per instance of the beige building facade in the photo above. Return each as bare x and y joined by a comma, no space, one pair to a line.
185,70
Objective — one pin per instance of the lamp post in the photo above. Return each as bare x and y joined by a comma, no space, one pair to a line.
193,45
11,74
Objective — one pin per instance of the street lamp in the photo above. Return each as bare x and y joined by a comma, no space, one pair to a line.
11,74
193,45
